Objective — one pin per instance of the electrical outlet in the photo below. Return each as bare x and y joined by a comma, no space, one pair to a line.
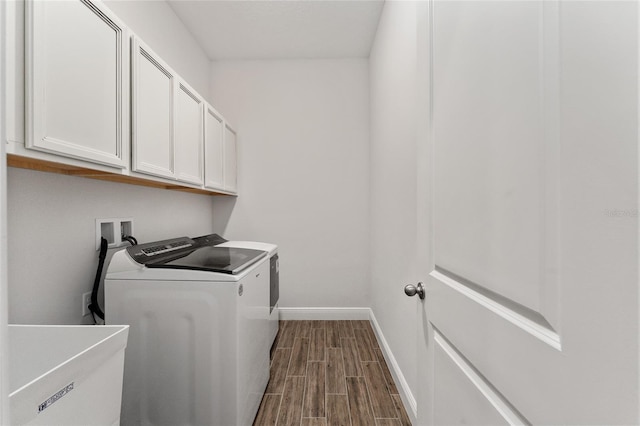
86,301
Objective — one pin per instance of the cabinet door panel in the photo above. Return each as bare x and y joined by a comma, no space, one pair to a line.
214,149
152,120
230,159
189,135
76,82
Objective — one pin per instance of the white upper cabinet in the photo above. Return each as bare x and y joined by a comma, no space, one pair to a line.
189,135
230,159
95,93
77,81
213,149
152,118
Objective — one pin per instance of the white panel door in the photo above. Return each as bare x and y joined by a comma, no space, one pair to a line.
77,81
230,159
152,100
213,149
189,135
531,313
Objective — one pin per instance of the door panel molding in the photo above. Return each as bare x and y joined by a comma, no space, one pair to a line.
493,396
550,286
539,317
542,303
190,93
526,319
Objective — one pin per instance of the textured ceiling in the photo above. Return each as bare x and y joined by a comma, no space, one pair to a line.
267,29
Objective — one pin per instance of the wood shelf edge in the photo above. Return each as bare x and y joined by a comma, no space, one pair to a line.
29,163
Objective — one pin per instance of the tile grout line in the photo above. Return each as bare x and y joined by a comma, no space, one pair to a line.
346,389
279,407
345,379
346,394
326,368
283,387
326,413
304,391
369,392
348,402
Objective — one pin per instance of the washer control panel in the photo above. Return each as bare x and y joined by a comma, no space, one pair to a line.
145,253
165,248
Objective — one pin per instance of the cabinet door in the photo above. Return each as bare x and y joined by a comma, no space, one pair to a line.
230,159
77,81
189,135
213,149
152,113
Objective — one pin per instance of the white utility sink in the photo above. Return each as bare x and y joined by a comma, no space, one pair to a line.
66,375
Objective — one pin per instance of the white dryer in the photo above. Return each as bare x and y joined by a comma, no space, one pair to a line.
274,279
199,342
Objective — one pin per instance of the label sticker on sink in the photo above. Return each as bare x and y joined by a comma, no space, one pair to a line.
56,396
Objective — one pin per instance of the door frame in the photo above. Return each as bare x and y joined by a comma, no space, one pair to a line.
4,329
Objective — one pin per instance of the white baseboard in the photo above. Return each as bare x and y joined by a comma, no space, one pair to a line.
324,313
407,397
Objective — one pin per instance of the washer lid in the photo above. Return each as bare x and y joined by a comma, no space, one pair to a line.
201,253
228,260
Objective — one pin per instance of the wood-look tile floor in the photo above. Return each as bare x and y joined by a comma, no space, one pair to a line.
329,373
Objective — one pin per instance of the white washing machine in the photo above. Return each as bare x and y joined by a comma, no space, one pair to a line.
198,351
274,279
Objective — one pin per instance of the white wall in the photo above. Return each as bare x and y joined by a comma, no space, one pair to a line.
160,28
51,232
392,71
303,134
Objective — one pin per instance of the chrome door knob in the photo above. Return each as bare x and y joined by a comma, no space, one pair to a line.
412,290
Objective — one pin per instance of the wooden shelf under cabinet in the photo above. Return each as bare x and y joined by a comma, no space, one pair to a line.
65,169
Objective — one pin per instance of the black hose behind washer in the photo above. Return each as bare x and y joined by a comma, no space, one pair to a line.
94,307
